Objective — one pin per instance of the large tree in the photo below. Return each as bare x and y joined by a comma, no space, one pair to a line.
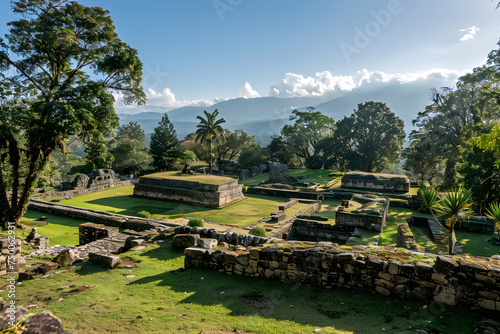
129,151
374,134
309,128
164,144
60,63
233,144
208,132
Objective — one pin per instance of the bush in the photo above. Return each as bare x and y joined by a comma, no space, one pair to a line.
144,214
196,223
244,189
258,231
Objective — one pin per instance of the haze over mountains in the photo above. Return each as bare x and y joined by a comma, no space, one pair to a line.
265,116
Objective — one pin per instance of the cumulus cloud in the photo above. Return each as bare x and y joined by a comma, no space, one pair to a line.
248,92
167,99
324,83
471,33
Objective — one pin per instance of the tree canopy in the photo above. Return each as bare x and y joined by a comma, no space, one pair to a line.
372,137
164,145
60,64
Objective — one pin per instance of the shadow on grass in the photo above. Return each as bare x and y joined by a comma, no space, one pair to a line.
303,304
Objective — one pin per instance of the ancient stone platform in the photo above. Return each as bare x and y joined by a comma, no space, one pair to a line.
203,190
373,181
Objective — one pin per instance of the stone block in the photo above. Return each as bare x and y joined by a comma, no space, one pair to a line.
444,263
47,267
108,260
446,299
382,290
43,323
487,304
207,243
5,314
185,240
66,258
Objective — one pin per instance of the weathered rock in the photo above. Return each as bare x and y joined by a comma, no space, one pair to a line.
43,323
207,243
47,267
33,234
136,242
81,181
245,174
66,258
185,240
277,171
9,314
108,260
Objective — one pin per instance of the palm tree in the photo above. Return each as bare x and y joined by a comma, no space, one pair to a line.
429,196
209,130
494,213
452,206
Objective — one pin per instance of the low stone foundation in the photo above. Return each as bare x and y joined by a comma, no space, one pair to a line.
89,232
192,190
374,181
450,281
308,229
406,239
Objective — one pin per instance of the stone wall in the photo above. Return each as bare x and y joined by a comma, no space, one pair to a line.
210,195
477,224
373,181
450,281
369,222
232,238
406,239
90,232
11,259
307,229
82,191
285,193
99,217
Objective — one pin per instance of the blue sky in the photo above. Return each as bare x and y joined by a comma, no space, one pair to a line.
200,51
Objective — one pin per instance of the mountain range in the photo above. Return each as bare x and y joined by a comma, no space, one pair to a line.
265,116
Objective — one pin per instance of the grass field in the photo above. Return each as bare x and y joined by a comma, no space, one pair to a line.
314,175
120,200
159,299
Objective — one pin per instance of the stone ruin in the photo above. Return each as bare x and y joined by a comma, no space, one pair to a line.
277,171
37,240
95,178
374,181
203,190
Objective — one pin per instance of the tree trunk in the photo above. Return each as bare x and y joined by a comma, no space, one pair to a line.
210,158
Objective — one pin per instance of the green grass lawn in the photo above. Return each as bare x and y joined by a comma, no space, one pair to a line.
60,230
120,200
315,175
159,300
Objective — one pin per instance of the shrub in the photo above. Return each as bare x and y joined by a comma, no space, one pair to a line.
244,189
196,223
258,231
144,214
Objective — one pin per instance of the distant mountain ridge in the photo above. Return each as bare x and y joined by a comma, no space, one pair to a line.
265,116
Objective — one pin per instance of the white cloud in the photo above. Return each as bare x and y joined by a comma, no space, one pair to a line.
471,33
166,99
325,84
248,92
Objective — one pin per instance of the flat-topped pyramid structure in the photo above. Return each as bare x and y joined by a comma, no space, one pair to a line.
203,190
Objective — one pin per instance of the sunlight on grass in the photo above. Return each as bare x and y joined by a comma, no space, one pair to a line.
160,300
120,200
